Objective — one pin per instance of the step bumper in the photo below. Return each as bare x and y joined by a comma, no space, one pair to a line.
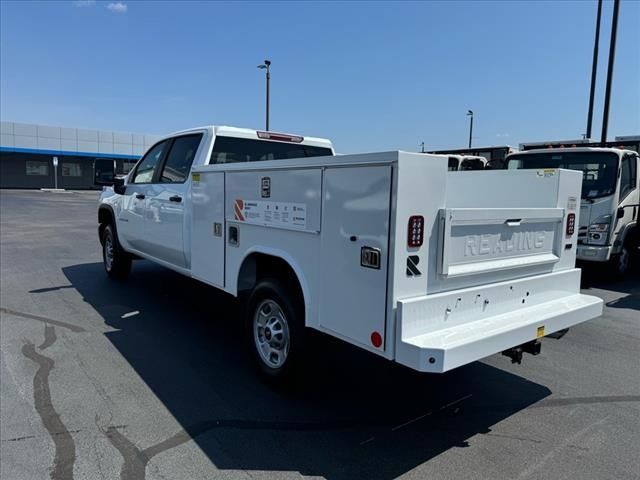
448,348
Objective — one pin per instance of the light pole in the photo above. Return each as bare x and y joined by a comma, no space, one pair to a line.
55,173
470,114
266,66
594,70
612,56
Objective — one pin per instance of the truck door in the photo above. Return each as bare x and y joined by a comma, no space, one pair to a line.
131,220
354,252
167,196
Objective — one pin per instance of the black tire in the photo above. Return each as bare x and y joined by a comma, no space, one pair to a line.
119,265
284,295
619,264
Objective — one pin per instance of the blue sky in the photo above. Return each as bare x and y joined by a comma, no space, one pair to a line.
370,76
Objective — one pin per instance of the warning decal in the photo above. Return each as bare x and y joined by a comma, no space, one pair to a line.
238,210
276,214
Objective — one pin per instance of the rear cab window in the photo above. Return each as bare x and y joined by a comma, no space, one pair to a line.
233,150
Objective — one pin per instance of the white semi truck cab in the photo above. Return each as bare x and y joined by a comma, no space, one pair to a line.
610,200
387,251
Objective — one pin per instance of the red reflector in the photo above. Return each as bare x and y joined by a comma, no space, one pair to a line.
571,223
415,231
376,339
281,137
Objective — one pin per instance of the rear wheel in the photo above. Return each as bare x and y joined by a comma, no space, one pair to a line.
117,263
275,329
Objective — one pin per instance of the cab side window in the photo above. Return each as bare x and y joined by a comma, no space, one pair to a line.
147,167
628,175
179,160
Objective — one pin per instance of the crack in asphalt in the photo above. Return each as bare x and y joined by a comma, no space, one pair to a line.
136,460
29,437
57,323
19,439
65,448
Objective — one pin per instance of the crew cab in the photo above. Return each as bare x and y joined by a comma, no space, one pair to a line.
389,252
608,230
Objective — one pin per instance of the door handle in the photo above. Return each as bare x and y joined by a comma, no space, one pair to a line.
176,198
140,196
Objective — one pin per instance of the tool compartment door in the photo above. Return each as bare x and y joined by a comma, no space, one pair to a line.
355,228
208,227
476,240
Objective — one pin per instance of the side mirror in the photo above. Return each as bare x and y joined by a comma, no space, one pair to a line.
119,185
620,213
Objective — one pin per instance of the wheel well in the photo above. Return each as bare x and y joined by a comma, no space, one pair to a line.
632,237
628,235
105,217
261,265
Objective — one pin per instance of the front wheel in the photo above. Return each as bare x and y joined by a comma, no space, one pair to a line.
116,263
275,329
619,264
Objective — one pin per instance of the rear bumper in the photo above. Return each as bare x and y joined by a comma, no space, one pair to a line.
590,253
437,333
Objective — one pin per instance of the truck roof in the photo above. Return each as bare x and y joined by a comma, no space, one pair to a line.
571,149
227,131
463,157
569,143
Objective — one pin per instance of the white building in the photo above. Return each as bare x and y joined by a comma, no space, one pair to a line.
27,152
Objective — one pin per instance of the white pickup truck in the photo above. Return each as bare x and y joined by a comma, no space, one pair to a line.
387,251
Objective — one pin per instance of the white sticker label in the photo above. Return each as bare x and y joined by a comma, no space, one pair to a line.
277,214
572,203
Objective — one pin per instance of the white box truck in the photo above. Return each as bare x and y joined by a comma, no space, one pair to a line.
609,232
387,251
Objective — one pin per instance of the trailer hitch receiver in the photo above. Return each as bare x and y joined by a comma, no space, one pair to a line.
515,354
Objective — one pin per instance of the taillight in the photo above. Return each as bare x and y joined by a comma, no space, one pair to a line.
571,223
415,234
281,137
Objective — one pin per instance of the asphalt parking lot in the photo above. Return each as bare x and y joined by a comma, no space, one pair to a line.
148,379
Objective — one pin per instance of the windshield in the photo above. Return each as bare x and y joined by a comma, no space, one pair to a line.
599,169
